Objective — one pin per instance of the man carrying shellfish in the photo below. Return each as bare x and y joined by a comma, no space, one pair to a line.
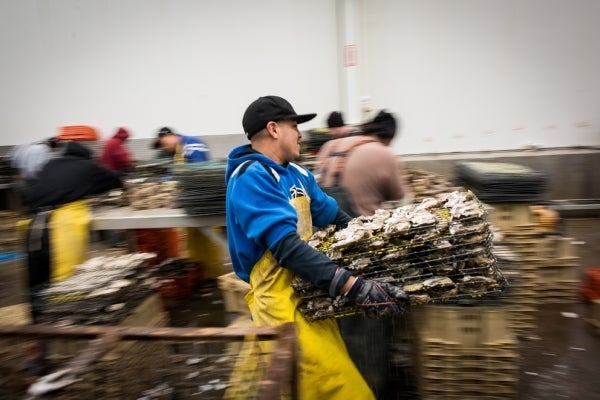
272,205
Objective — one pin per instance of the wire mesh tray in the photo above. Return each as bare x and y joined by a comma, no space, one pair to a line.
319,305
449,259
203,188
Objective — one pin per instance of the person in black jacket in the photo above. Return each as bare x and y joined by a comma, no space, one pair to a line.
58,236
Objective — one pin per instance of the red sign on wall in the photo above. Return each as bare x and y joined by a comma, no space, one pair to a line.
350,57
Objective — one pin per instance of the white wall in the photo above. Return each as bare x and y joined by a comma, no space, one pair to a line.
462,74
193,65
485,74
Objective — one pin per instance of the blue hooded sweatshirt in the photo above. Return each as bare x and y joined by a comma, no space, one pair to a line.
258,209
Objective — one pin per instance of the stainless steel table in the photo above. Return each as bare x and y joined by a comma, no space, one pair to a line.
127,218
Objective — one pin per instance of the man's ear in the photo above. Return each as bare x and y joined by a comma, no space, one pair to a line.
273,129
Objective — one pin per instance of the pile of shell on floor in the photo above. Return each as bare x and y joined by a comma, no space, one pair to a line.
438,250
103,290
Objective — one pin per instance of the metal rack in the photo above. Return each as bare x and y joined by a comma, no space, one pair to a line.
186,363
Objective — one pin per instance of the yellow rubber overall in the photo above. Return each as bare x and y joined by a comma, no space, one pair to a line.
325,368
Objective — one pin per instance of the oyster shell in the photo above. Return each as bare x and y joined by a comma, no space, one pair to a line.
476,284
359,264
411,288
440,287
418,299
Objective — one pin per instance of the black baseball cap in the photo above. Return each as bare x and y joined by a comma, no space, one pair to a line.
270,108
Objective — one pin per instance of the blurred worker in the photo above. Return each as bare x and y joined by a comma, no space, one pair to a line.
28,159
115,155
200,244
58,235
363,168
272,205
362,173
185,148
337,126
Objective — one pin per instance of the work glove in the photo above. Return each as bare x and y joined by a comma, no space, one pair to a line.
378,299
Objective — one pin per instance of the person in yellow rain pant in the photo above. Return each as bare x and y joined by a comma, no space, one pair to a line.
58,234
272,205
201,246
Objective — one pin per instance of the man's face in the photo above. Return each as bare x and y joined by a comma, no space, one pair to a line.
289,140
169,142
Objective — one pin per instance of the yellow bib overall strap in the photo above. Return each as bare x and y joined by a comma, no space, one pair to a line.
179,157
69,238
326,371
205,249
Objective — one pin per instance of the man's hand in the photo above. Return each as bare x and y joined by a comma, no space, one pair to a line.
379,299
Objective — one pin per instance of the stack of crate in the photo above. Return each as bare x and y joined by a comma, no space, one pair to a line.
560,274
523,278
507,216
520,299
465,352
550,259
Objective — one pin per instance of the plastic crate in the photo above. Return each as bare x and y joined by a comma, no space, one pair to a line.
553,273
233,290
509,215
468,326
78,132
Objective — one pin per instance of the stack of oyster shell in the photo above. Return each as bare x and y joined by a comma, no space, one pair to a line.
438,250
103,290
146,194
426,184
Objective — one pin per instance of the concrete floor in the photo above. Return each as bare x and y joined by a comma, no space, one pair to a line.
559,360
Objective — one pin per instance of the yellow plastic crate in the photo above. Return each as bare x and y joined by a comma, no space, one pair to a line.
233,290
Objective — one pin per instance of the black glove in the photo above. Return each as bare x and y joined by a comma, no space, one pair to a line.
379,299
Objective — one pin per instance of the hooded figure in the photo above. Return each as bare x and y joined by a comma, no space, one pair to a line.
29,158
68,178
115,155
58,234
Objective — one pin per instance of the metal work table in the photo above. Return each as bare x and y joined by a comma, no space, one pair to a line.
127,218
105,218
